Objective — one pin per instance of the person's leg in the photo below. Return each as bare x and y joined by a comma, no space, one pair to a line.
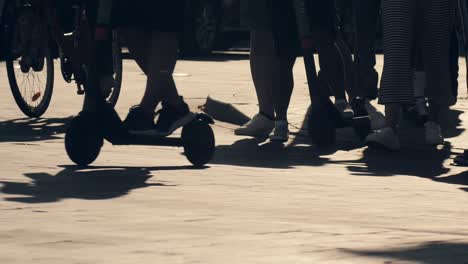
397,82
330,62
156,54
418,110
438,16
162,58
257,16
286,47
366,19
282,91
283,87
332,71
138,44
262,65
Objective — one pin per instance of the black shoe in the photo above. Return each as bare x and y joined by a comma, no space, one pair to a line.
358,105
172,118
138,121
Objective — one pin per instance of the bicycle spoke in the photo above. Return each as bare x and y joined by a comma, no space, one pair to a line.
31,84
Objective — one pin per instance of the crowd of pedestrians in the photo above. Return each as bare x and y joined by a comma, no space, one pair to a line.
420,61
418,73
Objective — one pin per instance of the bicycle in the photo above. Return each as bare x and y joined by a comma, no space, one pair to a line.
35,37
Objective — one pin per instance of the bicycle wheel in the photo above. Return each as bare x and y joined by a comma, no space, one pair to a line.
118,69
30,74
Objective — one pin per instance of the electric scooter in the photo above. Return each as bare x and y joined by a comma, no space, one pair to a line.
98,120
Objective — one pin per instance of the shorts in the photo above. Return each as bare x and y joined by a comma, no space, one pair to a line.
158,15
277,16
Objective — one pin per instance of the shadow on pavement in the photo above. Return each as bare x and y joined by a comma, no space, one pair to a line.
453,124
458,179
426,162
263,154
437,252
93,183
30,130
415,158
255,152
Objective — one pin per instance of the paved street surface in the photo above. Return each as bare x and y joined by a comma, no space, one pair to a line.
255,203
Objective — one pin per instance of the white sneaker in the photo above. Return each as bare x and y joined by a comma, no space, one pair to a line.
385,138
259,126
377,118
281,132
433,134
344,108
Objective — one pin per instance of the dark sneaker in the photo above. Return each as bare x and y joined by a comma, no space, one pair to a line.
138,121
172,118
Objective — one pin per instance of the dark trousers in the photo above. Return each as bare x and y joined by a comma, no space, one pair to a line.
366,15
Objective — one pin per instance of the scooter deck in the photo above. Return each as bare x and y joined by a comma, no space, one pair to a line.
147,140
114,131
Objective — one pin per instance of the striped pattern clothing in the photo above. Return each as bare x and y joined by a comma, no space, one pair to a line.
403,22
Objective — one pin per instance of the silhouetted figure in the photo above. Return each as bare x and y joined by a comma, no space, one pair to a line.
401,20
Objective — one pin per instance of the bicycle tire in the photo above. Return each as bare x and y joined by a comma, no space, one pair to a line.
21,102
40,106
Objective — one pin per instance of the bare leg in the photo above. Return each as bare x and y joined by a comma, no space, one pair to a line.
262,65
283,86
156,54
162,60
137,41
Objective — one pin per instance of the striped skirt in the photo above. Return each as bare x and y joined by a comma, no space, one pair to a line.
403,20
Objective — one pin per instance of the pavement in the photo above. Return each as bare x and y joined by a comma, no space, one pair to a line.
256,202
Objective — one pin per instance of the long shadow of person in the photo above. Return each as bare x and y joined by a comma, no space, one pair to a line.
452,125
94,183
426,162
416,158
437,252
30,130
457,179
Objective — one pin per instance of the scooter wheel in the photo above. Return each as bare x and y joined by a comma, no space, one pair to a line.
83,141
321,128
362,126
199,142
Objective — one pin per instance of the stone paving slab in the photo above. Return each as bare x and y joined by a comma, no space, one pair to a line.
256,202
